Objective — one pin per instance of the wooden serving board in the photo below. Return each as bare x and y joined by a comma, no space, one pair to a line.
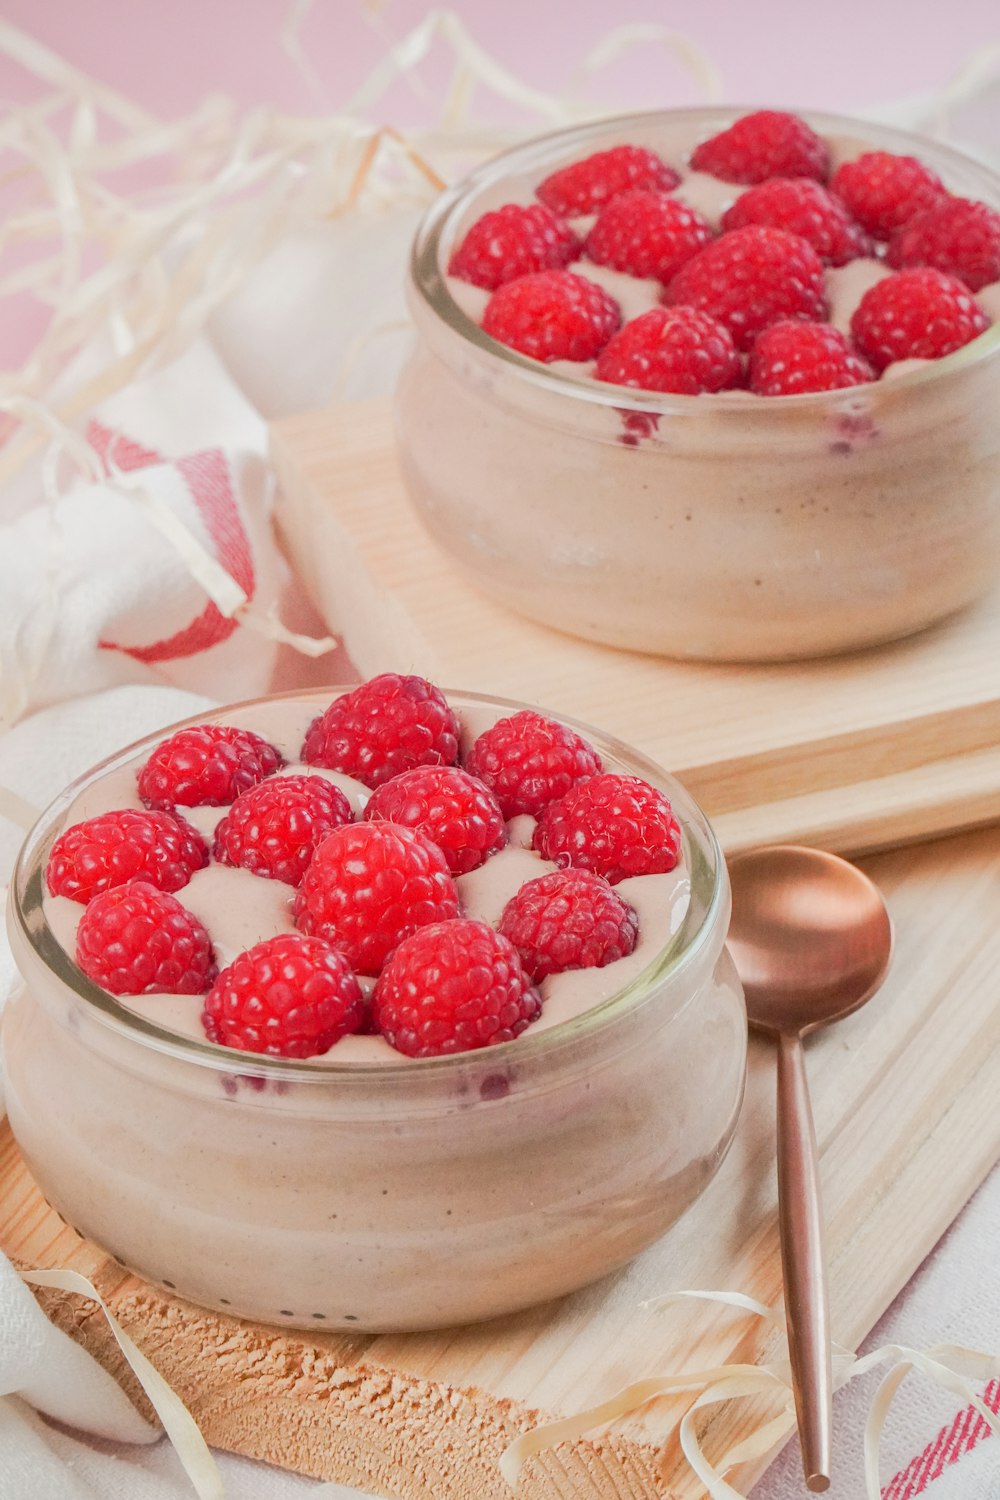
904,1095
855,753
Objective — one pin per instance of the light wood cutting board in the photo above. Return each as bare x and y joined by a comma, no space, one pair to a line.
854,753
905,1103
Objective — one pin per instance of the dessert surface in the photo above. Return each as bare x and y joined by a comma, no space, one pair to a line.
285,882
664,264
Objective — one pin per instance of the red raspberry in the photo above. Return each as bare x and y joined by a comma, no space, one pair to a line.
137,940
570,919
552,315
802,207
385,726
453,987
959,236
208,764
368,886
884,191
272,829
585,186
768,143
646,234
117,847
791,358
449,807
916,314
671,349
616,826
289,996
527,761
751,278
513,241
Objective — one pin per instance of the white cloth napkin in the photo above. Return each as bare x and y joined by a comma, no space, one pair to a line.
133,566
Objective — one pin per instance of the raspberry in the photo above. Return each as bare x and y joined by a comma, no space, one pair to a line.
552,315
768,143
368,886
513,241
646,234
289,996
959,236
272,829
616,826
671,349
116,847
453,987
448,806
137,940
527,761
916,314
791,358
802,207
570,919
385,726
884,191
208,764
585,186
751,278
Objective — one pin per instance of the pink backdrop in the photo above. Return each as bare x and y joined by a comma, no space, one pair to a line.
170,53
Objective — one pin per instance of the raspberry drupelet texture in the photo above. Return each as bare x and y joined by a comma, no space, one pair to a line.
675,349
387,725
137,940
585,186
616,826
117,847
803,207
206,765
751,278
289,996
767,143
453,987
884,191
552,315
916,314
368,886
528,761
790,359
646,234
513,241
570,919
272,829
958,235
456,811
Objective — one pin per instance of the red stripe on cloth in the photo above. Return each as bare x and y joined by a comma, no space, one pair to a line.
115,448
962,1434
207,477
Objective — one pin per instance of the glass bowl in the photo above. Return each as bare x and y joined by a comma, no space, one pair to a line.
405,1195
727,526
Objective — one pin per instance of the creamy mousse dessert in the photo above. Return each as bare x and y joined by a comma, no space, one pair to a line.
390,1011
713,384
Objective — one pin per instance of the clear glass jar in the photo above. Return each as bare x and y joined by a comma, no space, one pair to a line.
408,1195
728,526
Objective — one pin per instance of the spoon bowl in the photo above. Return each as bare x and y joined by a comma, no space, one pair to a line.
810,937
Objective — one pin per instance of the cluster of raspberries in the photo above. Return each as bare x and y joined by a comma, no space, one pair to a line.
747,307
374,898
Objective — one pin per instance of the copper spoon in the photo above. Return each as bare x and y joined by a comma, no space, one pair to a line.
811,940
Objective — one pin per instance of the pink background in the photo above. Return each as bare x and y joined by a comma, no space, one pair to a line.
171,53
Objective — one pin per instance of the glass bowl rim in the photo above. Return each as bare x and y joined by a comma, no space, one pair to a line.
430,285
679,952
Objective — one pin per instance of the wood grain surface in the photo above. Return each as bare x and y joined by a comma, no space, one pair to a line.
854,753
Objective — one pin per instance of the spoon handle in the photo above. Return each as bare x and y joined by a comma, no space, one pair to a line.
803,1264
